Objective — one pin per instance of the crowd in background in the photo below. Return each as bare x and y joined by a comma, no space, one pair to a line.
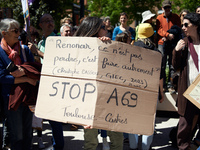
175,37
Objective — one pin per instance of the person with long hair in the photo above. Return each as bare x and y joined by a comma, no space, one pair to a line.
93,27
186,59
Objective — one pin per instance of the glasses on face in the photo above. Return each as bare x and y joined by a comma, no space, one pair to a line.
48,21
185,25
167,7
67,31
15,30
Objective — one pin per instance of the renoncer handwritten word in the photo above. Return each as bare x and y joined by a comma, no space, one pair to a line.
59,44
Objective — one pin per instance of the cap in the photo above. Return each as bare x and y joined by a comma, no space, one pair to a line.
146,15
145,30
166,3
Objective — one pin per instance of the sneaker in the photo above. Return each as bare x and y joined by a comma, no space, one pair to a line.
40,143
105,144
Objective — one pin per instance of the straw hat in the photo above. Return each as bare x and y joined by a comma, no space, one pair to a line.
145,30
146,15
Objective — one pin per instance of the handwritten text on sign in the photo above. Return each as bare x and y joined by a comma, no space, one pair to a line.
87,81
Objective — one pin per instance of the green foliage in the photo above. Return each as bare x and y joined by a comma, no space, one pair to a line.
185,4
113,8
134,8
39,7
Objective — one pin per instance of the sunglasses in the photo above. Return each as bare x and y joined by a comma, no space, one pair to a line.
15,30
167,7
103,27
48,21
185,24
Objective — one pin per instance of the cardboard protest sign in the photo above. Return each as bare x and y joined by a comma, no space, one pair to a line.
193,92
109,85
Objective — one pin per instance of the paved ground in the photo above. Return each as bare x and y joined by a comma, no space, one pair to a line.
74,139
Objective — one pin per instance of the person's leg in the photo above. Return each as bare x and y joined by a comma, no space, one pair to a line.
16,125
105,142
57,135
116,140
103,133
40,141
186,125
133,141
90,139
39,133
5,131
27,128
146,141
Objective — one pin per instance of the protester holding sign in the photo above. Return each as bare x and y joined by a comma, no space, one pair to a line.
93,27
145,40
19,116
186,59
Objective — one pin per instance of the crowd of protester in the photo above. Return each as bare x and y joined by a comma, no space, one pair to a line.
176,37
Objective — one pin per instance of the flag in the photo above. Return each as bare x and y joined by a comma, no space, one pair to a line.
26,14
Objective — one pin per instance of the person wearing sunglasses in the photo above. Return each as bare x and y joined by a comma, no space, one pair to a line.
164,22
186,58
18,117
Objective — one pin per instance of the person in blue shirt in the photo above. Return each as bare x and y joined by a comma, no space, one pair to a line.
17,122
123,27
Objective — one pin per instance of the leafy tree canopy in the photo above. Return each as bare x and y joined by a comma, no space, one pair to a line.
39,7
134,8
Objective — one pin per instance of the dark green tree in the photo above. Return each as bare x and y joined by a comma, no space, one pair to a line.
39,7
113,8
190,5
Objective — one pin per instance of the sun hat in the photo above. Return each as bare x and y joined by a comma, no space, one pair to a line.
166,3
145,30
146,15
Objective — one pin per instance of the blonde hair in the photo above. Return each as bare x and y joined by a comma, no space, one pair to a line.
147,41
62,21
